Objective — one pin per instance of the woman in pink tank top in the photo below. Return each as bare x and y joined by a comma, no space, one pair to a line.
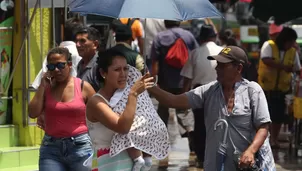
66,143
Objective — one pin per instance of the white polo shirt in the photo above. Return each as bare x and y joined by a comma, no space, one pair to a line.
198,67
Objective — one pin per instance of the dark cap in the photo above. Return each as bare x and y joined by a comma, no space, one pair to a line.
231,54
123,32
206,32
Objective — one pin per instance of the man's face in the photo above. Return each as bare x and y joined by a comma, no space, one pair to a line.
227,72
86,48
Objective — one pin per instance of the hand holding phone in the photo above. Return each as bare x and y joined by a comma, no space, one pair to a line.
47,79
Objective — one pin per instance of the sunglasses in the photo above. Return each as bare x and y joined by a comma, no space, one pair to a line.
59,65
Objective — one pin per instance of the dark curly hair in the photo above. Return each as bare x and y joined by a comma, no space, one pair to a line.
60,50
105,60
286,35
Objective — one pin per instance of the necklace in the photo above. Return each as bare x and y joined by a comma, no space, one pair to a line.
230,101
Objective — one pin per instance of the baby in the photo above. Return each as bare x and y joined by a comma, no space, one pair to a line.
148,135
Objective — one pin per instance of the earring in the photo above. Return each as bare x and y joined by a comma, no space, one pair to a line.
104,77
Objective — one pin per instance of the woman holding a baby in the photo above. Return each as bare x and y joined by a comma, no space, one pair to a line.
123,125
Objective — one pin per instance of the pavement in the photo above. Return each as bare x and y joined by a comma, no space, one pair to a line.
180,160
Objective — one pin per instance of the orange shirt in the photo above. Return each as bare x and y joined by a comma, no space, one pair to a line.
137,30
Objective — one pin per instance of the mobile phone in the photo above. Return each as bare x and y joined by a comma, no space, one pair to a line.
49,77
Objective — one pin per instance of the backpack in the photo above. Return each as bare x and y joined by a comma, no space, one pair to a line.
117,22
177,54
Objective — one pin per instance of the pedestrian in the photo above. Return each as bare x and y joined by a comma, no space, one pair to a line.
279,59
240,102
123,112
87,41
200,71
170,45
66,143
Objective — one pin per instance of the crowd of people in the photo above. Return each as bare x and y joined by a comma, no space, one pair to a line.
95,104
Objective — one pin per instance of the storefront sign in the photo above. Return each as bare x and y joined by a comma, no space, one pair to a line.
6,39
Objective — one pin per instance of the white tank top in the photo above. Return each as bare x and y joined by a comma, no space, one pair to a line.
100,135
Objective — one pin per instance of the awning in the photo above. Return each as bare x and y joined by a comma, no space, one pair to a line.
47,3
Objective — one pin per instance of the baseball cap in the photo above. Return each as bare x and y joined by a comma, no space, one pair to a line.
231,54
273,28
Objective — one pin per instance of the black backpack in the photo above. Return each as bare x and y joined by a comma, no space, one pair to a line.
117,22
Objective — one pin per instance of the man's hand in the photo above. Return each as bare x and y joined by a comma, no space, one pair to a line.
288,68
41,122
247,159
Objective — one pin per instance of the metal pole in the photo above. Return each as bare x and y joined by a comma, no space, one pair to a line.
65,10
53,23
145,44
41,37
24,93
22,46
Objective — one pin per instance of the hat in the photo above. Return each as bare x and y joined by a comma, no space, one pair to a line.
123,32
230,54
206,31
273,28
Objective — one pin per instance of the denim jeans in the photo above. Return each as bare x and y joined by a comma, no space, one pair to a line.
64,154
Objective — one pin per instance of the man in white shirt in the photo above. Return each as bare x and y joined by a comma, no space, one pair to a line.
70,28
200,71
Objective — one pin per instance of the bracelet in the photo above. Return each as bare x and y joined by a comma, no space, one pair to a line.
134,94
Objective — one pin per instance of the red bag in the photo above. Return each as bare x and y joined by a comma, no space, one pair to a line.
177,54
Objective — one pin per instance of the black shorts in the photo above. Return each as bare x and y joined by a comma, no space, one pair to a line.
277,106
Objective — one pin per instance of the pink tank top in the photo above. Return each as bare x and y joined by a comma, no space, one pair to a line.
65,119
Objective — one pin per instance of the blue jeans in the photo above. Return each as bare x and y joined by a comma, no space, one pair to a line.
64,154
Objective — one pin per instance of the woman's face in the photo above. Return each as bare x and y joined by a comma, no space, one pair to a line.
58,67
116,76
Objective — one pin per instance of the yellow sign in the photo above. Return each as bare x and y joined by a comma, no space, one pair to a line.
252,32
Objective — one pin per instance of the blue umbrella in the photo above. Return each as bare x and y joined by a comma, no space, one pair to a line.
177,10
222,149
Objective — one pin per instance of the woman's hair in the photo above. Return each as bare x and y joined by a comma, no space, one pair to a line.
62,51
286,35
228,37
105,60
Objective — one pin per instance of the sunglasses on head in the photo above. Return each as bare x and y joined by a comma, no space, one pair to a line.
59,65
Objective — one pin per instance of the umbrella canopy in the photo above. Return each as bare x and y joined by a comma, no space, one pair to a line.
177,10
